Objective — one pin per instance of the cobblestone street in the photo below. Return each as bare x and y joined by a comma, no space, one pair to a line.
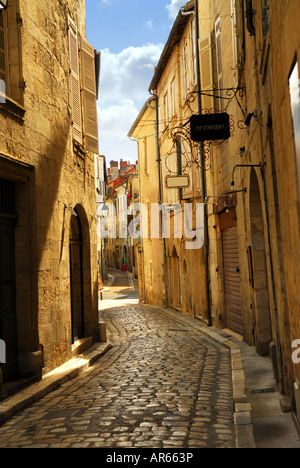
162,384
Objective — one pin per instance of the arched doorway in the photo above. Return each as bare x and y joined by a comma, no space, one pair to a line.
8,313
186,295
125,256
76,277
258,273
174,275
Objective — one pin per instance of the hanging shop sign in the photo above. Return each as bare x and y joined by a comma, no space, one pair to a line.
207,127
178,181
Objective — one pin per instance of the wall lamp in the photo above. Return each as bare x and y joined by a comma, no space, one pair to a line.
249,118
102,209
71,209
241,165
3,4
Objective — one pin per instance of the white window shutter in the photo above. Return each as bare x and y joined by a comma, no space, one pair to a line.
75,81
89,96
206,71
219,59
235,51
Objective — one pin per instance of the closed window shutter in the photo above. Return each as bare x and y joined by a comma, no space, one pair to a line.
75,81
219,59
89,90
206,72
237,40
234,35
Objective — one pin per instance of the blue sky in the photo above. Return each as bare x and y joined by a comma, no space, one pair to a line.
131,35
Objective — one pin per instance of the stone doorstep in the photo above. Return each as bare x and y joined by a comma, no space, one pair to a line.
68,371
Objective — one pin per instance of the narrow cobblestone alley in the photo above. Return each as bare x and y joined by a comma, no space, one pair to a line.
163,384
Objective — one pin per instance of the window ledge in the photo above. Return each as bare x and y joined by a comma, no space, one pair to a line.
12,107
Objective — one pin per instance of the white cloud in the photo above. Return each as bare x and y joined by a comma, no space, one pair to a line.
124,81
149,25
174,7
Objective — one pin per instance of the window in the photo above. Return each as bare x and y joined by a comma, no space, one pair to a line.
83,90
3,58
234,36
173,97
206,72
294,85
238,39
166,109
219,59
193,42
145,156
11,80
185,70
99,178
265,16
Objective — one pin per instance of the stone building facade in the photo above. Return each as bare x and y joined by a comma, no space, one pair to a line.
121,249
152,270
48,138
241,58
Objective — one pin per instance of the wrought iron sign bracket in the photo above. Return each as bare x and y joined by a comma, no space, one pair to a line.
226,94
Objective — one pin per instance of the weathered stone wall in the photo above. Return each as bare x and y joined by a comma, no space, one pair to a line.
42,141
152,258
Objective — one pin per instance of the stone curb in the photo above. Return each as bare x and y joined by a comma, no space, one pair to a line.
244,437
68,371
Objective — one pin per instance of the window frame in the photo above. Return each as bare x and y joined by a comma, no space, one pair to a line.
12,92
5,52
185,69
294,91
173,97
166,108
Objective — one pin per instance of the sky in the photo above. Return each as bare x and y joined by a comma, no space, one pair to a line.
130,34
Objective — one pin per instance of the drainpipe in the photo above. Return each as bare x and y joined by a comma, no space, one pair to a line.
249,17
160,196
203,176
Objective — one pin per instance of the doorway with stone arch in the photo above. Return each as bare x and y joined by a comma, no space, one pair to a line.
80,274
258,271
174,279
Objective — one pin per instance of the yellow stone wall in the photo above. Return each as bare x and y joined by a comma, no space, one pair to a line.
36,151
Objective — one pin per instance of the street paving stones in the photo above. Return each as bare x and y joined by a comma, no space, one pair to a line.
163,384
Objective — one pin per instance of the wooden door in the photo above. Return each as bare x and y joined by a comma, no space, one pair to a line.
233,306
8,319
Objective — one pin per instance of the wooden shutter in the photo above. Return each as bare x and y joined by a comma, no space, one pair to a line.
236,41
75,81
232,288
206,71
89,95
219,59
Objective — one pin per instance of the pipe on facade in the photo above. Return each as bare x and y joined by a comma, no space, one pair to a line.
203,177
249,17
186,13
160,194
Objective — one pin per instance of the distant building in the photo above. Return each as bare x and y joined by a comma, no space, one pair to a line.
122,190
